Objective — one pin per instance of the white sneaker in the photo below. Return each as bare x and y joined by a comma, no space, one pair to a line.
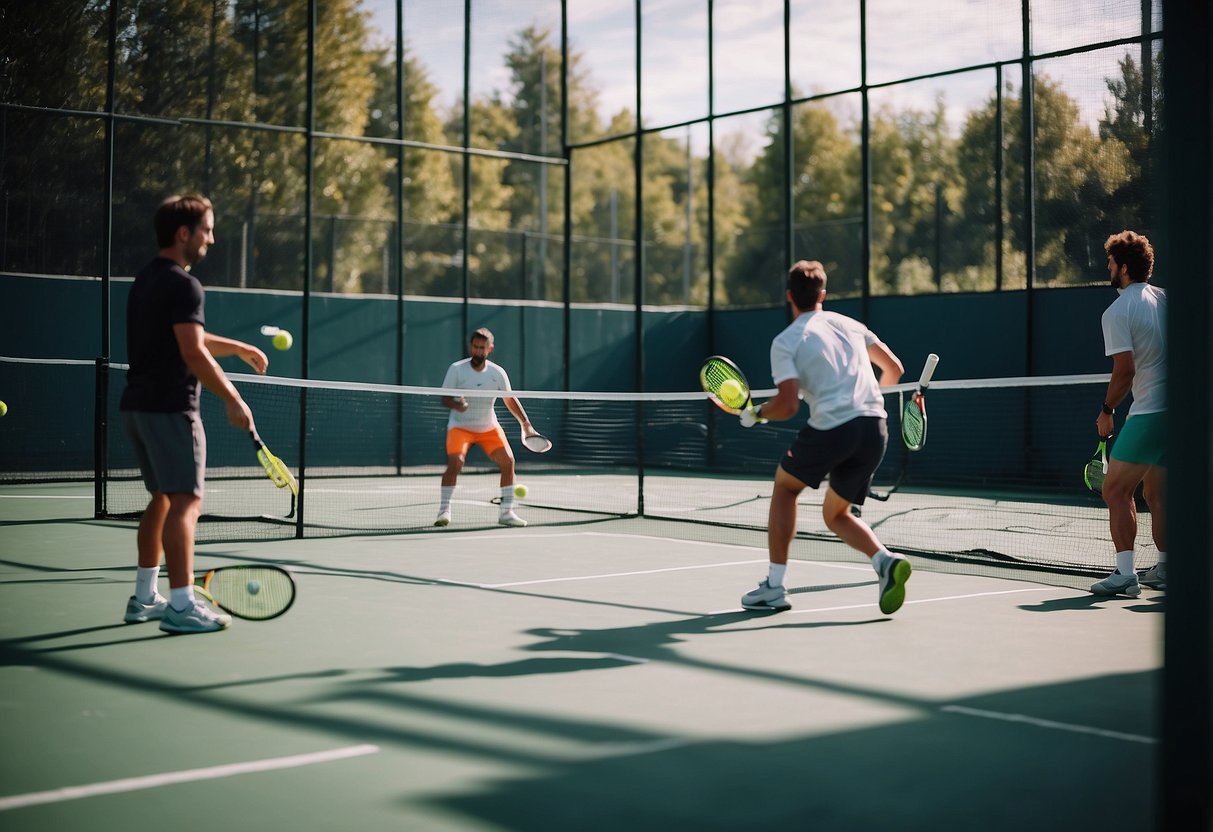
1117,584
509,518
766,597
1155,577
198,618
444,518
138,612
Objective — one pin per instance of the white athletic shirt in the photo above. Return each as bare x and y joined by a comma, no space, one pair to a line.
828,354
480,415
1137,322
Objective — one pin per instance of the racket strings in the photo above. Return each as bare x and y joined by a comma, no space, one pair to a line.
252,592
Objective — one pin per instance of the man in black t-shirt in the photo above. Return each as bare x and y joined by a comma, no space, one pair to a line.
170,353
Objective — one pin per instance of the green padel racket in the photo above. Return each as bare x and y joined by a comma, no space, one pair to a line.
726,385
914,414
1096,469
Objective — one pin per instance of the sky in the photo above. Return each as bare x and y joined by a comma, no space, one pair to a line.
905,39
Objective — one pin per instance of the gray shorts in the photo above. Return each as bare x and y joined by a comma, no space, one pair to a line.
171,448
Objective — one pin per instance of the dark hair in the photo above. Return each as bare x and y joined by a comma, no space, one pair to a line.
177,211
1128,248
484,333
806,282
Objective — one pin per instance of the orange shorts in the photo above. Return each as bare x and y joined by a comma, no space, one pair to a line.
459,440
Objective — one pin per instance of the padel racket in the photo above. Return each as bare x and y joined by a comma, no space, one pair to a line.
275,469
536,442
257,593
914,414
1096,469
726,385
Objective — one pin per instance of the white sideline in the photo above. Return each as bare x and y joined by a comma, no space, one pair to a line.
132,784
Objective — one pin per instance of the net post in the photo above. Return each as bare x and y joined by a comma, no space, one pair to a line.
100,437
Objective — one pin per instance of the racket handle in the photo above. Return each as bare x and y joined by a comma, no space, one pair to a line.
928,370
269,329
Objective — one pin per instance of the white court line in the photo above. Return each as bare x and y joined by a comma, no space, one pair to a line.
1049,724
596,577
46,496
132,784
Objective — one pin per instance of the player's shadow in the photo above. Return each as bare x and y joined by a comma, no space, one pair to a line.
1087,601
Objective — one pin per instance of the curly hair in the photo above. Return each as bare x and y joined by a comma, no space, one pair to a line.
1128,248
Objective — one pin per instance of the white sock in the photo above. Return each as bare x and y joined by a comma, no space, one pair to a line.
879,559
776,573
507,498
1124,562
181,597
1162,557
145,583
444,501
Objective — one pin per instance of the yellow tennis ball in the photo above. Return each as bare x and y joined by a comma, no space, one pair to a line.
731,393
3,408
283,340
520,490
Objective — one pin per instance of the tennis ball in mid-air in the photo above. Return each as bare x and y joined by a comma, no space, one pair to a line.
3,408
520,490
731,393
253,587
283,340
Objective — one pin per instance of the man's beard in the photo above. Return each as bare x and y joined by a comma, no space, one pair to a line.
478,362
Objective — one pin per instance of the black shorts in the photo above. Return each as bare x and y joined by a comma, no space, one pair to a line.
849,454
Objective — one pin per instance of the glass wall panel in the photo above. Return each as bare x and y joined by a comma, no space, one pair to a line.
1064,24
603,211
1092,161
674,61
354,217
54,54
433,223
266,71
747,48
433,43
52,193
827,193
516,244
602,69
750,212
905,40
356,68
825,46
933,154
676,217
516,76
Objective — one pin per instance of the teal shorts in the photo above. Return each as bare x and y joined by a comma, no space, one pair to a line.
1143,440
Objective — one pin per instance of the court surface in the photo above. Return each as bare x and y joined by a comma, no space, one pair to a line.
591,677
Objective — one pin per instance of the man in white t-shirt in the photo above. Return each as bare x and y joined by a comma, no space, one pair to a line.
473,421
1135,335
829,359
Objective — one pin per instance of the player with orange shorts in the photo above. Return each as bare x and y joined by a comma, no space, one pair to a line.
474,422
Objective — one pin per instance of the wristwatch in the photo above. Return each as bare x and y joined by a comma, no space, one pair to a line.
1108,409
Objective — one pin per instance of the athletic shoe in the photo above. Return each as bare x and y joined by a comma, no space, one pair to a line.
444,518
1117,584
198,618
509,518
766,597
893,583
137,613
1155,577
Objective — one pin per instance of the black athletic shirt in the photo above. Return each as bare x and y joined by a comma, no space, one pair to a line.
159,381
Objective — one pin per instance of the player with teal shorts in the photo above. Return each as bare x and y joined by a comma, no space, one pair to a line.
1135,336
